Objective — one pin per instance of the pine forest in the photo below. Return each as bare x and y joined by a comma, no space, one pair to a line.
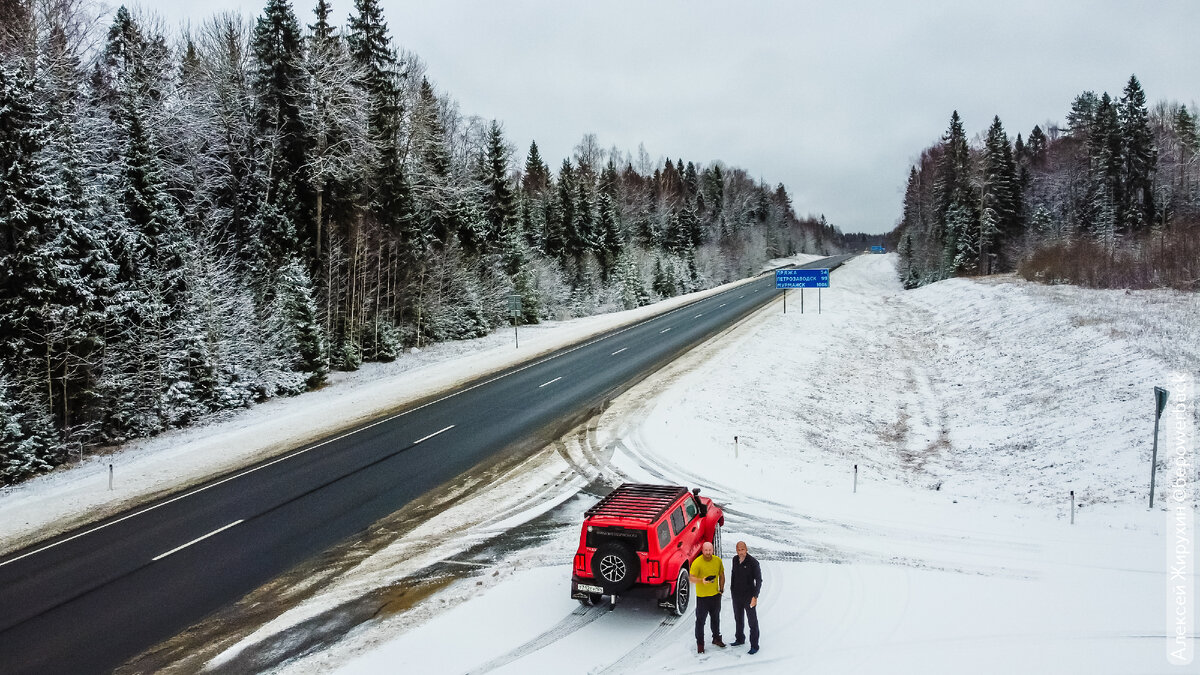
1112,200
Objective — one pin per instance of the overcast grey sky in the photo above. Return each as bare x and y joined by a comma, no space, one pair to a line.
833,99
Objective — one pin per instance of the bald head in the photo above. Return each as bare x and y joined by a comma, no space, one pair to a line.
742,550
707,549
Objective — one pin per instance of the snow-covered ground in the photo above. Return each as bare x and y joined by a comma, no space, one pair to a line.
971,408
78,493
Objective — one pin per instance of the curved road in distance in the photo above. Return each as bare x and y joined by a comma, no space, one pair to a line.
89,599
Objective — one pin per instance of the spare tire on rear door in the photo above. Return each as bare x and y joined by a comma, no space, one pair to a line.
615,567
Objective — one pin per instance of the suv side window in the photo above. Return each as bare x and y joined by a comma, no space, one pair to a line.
690,507
664,535
677,521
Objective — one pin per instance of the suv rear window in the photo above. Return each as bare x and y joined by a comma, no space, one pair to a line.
677,521
635,539
664,535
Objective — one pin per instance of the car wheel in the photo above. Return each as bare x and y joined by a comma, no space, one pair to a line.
591,600
716,542
683,592
615,567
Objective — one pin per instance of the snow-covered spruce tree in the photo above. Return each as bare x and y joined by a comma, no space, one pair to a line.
295,324
278,85
610,242
1105,193
954,192
31,218
1000,220
633,287
499,200
1138,158
27,438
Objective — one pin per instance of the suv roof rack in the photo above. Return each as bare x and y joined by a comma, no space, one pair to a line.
637,501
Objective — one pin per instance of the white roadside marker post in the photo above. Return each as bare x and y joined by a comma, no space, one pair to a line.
855,479
1072,507
110,477
735,447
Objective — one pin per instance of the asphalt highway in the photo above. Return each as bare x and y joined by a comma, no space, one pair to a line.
88,600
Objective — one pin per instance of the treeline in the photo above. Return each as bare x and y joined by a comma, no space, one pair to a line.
195,222
1112,200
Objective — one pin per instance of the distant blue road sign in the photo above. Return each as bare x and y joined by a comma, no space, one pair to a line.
876,249
802,278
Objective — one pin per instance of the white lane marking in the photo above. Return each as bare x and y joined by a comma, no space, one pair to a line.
618,351
663,331
297,453
550,382
722,305
741,296
698,315
439,431
177,549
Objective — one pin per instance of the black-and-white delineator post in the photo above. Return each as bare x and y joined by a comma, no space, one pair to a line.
514,308
1160,404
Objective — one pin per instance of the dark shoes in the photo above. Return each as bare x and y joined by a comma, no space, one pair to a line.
717,642
739,643
753,650
699,647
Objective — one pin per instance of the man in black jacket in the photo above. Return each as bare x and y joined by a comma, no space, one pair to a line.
745,585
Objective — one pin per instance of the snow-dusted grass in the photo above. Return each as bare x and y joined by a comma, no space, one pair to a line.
78,493
970,406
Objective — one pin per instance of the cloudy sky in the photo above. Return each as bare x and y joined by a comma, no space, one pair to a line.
833,99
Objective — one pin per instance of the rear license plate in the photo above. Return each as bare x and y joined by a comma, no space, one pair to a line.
589,589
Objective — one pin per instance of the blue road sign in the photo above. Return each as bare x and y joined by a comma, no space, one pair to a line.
802,278
876,249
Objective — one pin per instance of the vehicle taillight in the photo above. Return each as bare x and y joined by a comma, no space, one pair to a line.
655,571
579,558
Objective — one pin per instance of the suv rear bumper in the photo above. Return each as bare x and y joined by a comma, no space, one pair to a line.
661,592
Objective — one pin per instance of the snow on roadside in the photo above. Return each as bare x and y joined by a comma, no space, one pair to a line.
970,406
78,493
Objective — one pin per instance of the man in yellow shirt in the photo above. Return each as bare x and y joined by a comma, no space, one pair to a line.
708,574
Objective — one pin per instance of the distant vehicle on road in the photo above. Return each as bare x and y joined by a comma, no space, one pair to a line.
644,537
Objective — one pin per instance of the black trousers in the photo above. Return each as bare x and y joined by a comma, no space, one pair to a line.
742,611
711,607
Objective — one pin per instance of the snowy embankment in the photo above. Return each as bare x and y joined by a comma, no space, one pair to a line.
78,493
971,408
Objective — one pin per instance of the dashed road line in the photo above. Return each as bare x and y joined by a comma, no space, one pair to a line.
177,549
439,431
550,382
618,351
663,331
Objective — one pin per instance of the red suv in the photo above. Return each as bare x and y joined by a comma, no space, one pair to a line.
646,536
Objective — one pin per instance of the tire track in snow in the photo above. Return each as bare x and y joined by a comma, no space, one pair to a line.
635,659
569,624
